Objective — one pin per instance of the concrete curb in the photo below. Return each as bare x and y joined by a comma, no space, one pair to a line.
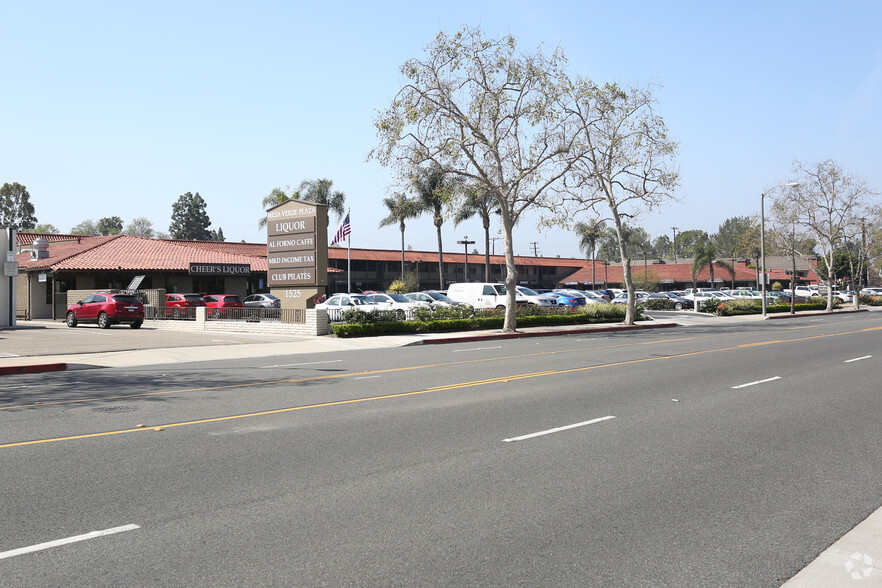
33,369
804,314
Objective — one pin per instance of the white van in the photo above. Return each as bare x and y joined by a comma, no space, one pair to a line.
481,294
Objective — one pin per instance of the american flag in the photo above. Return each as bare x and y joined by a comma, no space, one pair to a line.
343,232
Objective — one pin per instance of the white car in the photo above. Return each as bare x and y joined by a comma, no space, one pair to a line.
401,304
337,304
871,291
532,297
844,295
640,297
433,299
745,294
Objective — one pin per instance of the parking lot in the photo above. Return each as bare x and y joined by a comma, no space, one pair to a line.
46,337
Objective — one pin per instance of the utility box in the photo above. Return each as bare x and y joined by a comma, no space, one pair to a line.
10,272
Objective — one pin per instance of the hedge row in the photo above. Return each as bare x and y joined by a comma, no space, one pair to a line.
740,307
596,313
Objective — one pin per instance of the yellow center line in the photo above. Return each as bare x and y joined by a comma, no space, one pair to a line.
446,387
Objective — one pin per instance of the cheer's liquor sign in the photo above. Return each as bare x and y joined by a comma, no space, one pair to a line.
297,244
219,269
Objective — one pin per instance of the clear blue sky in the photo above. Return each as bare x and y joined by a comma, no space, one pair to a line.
118,108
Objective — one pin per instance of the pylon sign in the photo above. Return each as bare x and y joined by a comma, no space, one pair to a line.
297,244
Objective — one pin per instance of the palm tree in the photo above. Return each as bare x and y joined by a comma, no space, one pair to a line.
433,190
705,253
273,199
319,191
589,234
482,204
400,208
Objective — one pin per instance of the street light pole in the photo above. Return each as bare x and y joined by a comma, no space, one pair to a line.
465,243
763,239
674,243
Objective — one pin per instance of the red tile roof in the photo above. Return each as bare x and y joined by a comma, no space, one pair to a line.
26,238
451,257
248,249
131,253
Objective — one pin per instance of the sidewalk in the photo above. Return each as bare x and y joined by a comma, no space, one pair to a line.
45,362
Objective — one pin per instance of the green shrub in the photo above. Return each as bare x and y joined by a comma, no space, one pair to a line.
660,304
428,322
870,300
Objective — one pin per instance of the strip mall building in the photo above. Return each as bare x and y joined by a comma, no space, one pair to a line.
61,266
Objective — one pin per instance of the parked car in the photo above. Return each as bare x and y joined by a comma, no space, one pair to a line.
534,298
337,304
400,303
106,309
183,300
442,299
601,295
639,297
679,302
216,302
745,294
481,294
568,298
871,291
844,295
261,301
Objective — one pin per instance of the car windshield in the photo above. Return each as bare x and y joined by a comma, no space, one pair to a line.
126,299
527,291
439,296
398,297
192,297
231,298
361,300
270,297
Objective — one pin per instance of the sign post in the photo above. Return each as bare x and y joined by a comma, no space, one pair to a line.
297,252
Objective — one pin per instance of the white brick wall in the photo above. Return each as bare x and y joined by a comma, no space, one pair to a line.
316,324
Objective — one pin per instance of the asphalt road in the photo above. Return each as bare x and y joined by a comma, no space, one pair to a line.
699,457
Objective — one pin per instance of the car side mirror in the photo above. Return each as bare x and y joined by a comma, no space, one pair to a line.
80,302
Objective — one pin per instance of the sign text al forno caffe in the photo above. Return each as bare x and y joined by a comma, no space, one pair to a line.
297,244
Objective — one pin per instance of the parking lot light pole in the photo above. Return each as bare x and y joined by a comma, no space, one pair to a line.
763,239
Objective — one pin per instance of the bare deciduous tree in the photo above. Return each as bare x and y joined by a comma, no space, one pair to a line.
828,203
491,117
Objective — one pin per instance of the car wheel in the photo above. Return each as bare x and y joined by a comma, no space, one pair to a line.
71,319
500,307
400,315
176,313
678,306
215,313
103,321
137,325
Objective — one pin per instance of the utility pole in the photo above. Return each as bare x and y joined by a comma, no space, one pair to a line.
535,250
494,240
465,243
674,243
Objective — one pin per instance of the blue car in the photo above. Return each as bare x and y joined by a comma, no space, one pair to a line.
570,300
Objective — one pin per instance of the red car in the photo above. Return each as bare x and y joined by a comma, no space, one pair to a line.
183,300
106,309
218,301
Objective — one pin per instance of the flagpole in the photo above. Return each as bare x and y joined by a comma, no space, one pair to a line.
349,256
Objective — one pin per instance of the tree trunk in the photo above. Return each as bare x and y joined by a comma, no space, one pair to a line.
402,251
626,271
593,268
511,276
438,221
486,249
